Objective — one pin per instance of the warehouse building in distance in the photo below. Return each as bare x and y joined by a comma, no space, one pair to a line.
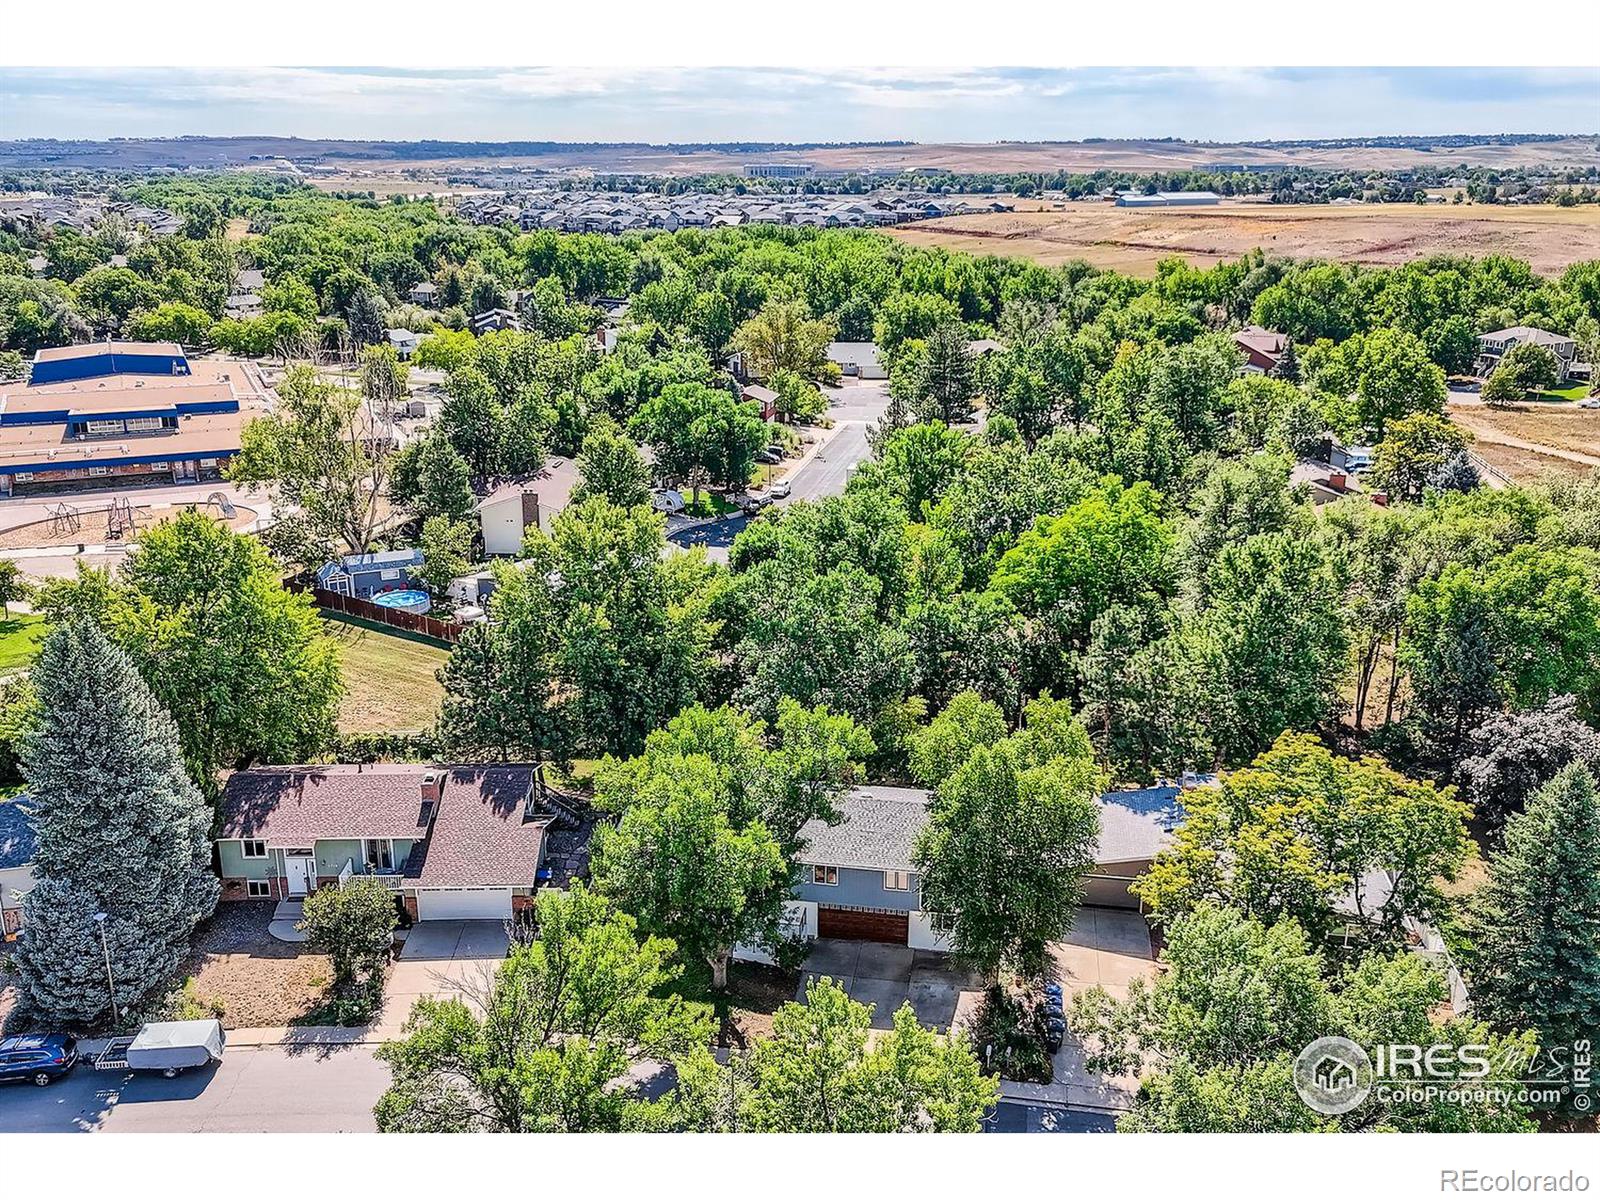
123,413
1167,199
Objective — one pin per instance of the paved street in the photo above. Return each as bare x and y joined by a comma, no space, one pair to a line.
828,470
270,1089
1012,1117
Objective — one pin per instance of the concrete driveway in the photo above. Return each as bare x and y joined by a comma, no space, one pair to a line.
442,960
886,976
1109,947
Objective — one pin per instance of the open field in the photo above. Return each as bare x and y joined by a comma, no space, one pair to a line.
1532,439
644,158
1134,240
390,681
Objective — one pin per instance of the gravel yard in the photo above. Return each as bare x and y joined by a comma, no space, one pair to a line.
258,979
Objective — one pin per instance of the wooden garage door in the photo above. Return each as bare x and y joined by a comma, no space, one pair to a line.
863,926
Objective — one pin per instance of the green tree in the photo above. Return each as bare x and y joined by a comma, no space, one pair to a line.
1534,367
553,1034
122,831
315,453
14,586
1007,841
947,385
353,924
443,481
1502,389
1413,451
240,662
446,553
967,723
1507,635
473,418
172,322
820,1073
1395,378
917,464
610,466
680,860
783,337
1302,827
1535,959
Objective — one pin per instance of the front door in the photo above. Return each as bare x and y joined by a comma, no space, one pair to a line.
301,868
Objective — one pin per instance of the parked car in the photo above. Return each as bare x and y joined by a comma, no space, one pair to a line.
39,1058
1591,402
780,490
768,457
754,502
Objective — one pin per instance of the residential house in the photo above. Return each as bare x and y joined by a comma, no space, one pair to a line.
494,320
857,359
856,878
1325,483
516,505
17,843
366,575
764,396
1263,348
455,842
425,294
1135,826
405,342
1492,347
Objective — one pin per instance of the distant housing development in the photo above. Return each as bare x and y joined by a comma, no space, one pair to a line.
135,412
621,212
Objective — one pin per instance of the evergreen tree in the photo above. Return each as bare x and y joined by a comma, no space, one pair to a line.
1538,918
122,830
947,383
1288,364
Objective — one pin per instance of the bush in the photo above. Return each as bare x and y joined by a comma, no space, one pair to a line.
354,924
1010,1039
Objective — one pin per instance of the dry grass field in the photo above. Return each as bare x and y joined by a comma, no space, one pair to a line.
1532,439
1134,240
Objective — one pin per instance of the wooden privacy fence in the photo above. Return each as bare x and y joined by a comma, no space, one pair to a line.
398,618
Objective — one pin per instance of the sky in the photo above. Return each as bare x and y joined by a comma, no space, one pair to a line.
657,104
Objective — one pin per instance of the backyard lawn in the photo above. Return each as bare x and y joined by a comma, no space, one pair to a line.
20,635
390,681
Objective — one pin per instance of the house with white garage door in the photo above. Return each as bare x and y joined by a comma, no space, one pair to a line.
455,842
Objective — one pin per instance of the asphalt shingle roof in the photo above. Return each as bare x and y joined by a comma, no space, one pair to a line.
17,839
1137,824
294,806
878,832
480,838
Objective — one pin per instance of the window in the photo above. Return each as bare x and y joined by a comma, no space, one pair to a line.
825,875
256,888
253,848
380,855
99,470
102,428
897,881
143,424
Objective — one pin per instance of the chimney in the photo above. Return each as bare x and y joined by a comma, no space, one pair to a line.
1336,480
432,793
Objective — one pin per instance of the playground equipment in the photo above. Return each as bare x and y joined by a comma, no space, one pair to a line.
223,505
63,518
119,520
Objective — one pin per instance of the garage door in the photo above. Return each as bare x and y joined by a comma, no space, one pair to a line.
464,904
863,926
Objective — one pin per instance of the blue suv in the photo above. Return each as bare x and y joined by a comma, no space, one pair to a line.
37,1057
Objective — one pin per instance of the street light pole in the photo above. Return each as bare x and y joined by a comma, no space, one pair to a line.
111,982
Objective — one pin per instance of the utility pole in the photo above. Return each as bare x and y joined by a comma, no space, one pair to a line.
111,982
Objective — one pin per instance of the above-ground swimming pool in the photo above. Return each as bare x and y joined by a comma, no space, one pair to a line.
411,600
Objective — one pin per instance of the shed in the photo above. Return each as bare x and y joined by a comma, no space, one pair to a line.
363,575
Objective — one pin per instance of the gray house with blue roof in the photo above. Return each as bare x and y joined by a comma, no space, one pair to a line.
17,843
857,880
